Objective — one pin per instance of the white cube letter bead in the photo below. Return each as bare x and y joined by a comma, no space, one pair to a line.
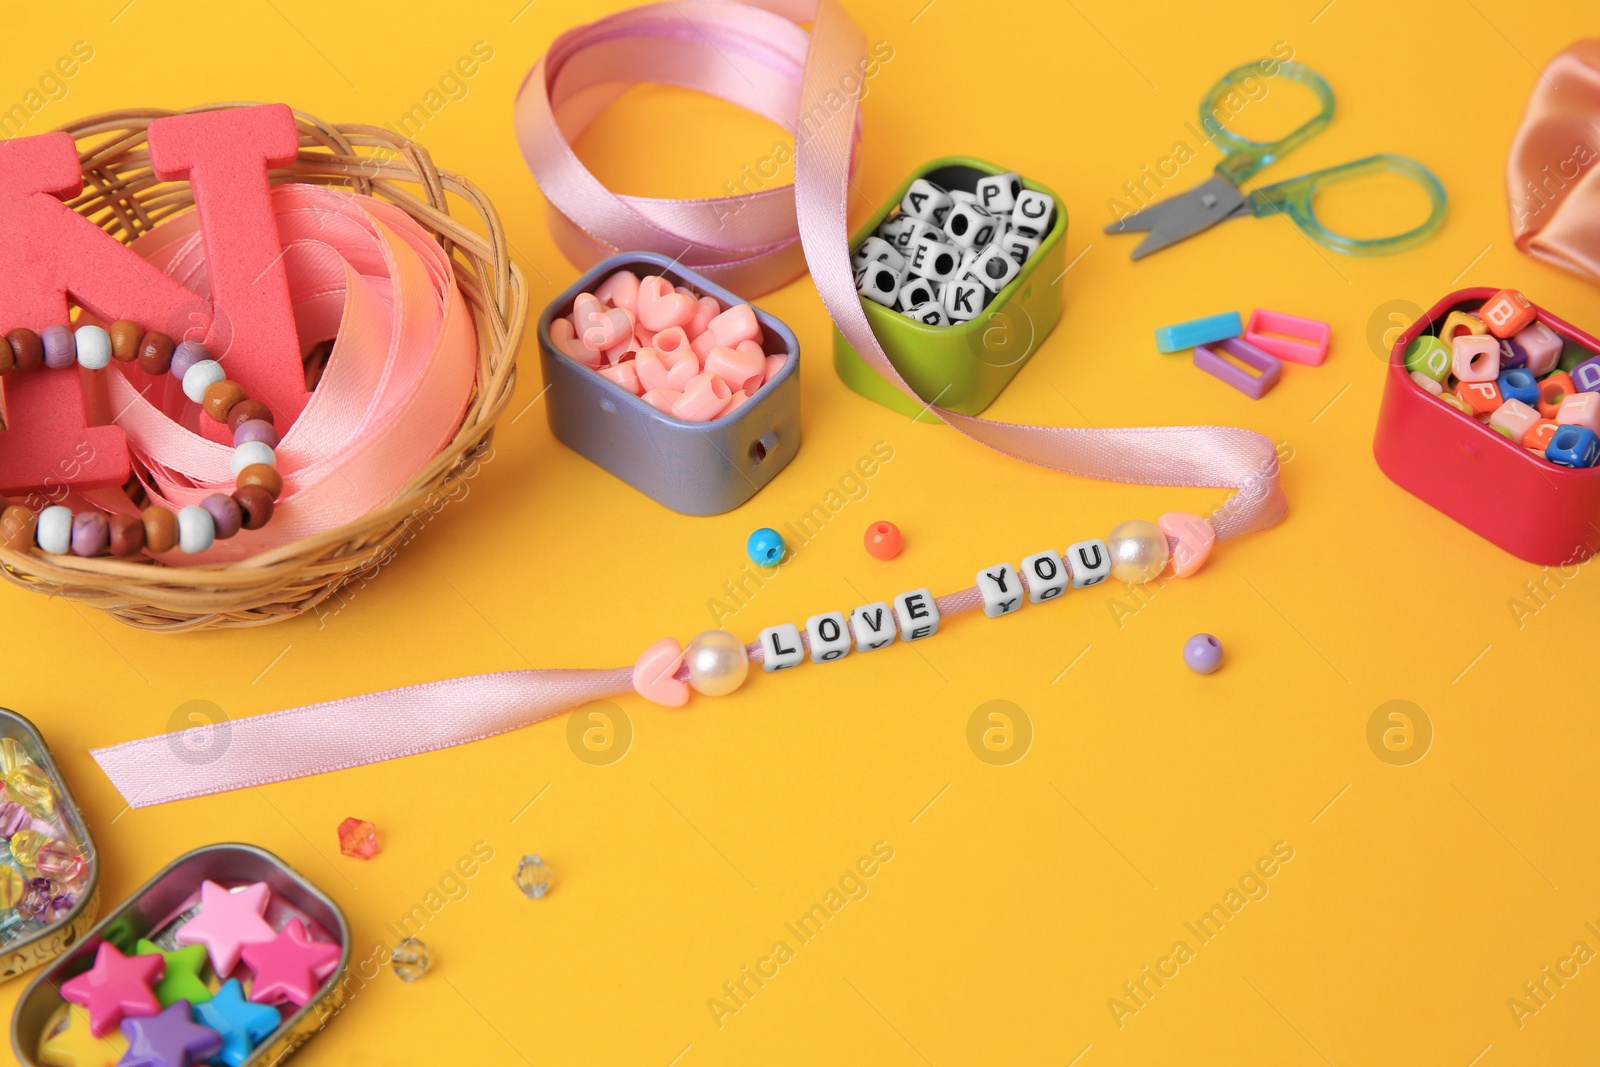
877,250
926,201
828,637
998,193
54,532
914,291
935,260
891,228
1031,216
781,648
873,626
1090,563
1045,575
1001,589
963,300
995,269
1018,247
94,347
917,231
879,282
200,377
969,226
961,196
931,314
917,615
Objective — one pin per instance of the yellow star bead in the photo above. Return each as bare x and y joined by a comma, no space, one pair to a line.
73,1045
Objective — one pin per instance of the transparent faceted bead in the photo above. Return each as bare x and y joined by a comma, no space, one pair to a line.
410,960
358,838
534,877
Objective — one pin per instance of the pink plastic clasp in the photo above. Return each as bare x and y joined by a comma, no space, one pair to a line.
1289,336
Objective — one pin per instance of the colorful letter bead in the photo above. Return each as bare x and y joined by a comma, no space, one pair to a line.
1457,403
1572,354
1540,346
1046,576
1426,382
1479,397
1204,331
873,626
1580,409
1267,369
1514,418
781,648
1289,336
1573,446
1586,375
1519,384
1552,391
1537,439
1429,356
1001,589
917,615
1089,562
1475,359
1461,324
1506,313
827,636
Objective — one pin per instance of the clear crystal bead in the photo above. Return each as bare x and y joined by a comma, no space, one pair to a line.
534,877
410,960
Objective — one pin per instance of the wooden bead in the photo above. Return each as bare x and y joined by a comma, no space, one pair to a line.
17,525
8,359
262,475
255,505
220,397
246,410
155,356
27,348
125,337
127,533
160,527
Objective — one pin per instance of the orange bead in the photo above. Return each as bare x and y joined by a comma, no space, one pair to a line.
17,525
883,540
125,338
160,529
220,397
260,474
255,506
1480,397
1538,436
1506,312
1553,390
246,410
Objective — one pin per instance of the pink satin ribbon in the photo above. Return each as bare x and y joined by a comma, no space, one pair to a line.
1553,172
748,242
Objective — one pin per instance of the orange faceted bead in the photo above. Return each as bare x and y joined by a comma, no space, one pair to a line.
358,838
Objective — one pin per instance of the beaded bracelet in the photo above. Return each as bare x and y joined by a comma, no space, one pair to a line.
57,530
716,663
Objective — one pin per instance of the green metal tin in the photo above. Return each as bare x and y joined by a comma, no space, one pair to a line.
961,367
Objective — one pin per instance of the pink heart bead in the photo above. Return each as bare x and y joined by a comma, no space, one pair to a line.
661,399
743,369
733,404
653,674
672,339
703,398
660,307
1194,537
774,365
598,327
566,340
686,291
709,308
620,290
651,369
736,324
625,375
704,343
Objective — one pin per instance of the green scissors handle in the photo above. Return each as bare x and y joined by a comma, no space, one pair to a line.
1294,198
1243,157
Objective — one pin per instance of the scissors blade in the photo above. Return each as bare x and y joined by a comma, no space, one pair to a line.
1183,216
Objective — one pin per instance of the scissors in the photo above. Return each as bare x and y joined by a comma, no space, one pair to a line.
1219,197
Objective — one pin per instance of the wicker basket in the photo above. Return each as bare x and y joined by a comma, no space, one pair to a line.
123,197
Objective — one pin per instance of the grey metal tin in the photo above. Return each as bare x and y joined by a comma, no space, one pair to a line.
27,953
158,904
696,468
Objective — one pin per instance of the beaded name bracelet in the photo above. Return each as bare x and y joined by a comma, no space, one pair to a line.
58,531
716,663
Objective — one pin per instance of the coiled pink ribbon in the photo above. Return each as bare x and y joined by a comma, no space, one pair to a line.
753,55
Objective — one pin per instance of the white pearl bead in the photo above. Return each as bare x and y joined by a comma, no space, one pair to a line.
196,529
55,529
198,378
253,452
94,347
1138,551
717,662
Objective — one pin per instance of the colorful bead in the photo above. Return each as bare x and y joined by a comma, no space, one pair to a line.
1428,356
127,535
226,519
1537,439
155,353
653,674
1552,391
1138,551
54,531
1194,539
17,526
883,540
219,399
717,661
1506,313
170,1038
93,347
1289,337
1198,332
255,506
1519,384
1089,563
255,430
263,474
1202,653
196,529
1573,446
358,839
1001,590
1515,419
1457,403
1427,383
827,636
1572,354
228,921
13,818
185,356
1586,375
117,986
781,647
917,613
1541,347
27,348
199,377
243,1025
252,453
160,529
125,337
25,846
765,547
59,352
246,411
1475,359
1580,409
1479,397
91,534
181,980
1460,324
289,968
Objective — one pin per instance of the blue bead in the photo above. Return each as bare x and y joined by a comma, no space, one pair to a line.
1573,446
1519,384
1199,332
765,547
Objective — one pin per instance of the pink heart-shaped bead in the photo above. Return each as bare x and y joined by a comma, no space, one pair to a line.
1194,537
651,369
686,291
565,339
742,368
661,399
620,290
598,327
660,307
736,324
653,674
672,339
703,344
708,308
703,398
733,404
625,375
774,365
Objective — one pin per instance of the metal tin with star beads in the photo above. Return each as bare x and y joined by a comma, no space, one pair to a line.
159,908
27,942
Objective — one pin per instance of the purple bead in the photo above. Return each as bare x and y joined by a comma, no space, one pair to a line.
186,355
1512,354
60,350
256,430
91,534
1202,653
225,514
13,817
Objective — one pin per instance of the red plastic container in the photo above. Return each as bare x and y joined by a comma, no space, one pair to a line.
1528,506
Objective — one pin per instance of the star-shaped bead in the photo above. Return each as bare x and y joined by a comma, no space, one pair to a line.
290,966
243,1025
115,986
182,980
171,1039
227,922
73,1045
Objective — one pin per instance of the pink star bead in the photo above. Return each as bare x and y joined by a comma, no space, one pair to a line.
116,986
227,922
290,966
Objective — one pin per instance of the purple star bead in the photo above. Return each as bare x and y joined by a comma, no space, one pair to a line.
171,1039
